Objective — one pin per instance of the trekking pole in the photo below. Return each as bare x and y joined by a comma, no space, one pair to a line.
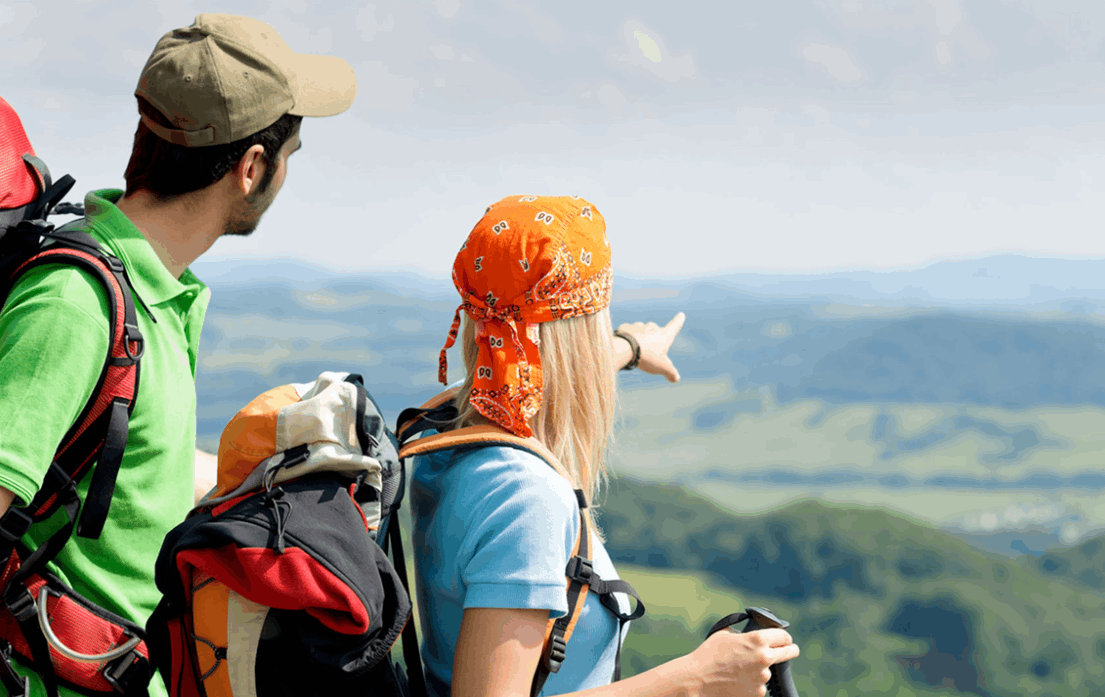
781,683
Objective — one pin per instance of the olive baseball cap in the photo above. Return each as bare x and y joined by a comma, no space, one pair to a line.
227,77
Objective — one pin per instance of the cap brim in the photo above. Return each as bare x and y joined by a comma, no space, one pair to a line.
324,85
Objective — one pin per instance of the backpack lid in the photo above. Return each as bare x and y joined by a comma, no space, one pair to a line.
299,429
20,184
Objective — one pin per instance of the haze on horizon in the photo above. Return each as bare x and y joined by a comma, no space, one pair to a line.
808,136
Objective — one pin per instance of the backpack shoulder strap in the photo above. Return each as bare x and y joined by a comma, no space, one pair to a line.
99,435
475,437
100,431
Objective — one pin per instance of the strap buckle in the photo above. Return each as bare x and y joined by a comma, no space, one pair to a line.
126,671
16,684
14,524
21,604
580,570
558,649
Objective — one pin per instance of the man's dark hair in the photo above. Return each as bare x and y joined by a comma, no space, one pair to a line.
167,170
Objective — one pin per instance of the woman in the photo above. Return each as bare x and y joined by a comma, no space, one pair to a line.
494,526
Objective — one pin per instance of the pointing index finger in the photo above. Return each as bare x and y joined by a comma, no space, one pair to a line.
676,323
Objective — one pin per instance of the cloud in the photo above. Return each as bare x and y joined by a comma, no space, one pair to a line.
612,99
383,90
367,24
18,46
834,60
947,15
545,27
443,52
819,114
943,23
644,49
447,9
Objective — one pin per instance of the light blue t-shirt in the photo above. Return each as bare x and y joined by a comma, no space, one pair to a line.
495,527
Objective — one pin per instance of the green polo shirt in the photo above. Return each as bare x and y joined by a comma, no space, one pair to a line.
53,342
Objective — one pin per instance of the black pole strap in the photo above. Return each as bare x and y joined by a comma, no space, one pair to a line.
98,500
727,621
415,677
70,502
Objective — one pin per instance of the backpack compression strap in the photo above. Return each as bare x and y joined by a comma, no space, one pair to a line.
580,573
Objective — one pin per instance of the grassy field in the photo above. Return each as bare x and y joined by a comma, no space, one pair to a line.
938,464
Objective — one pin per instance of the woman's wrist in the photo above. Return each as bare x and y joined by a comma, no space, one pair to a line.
634,350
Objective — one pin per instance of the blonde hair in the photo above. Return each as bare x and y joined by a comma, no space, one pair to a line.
576,418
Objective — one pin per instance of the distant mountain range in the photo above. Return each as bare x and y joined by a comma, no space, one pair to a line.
998,282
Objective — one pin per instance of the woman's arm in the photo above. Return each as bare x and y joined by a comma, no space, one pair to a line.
498,650
206,473
655,342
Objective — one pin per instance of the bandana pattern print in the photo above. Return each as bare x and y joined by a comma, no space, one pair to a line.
530,259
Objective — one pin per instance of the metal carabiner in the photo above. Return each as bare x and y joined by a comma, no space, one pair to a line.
52,639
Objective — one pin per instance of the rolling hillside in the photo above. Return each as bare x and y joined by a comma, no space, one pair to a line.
879,605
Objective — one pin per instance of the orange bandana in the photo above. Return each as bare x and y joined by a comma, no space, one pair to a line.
530,259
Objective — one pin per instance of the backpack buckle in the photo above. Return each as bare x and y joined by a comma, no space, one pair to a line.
580,570
126,671
558,650
36,226
21,604
14,524
16,684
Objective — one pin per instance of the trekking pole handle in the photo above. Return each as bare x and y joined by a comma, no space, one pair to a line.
52,639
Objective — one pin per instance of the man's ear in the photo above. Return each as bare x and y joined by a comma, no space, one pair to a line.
250,169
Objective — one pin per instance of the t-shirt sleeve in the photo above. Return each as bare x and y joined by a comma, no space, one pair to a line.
52,351
523,529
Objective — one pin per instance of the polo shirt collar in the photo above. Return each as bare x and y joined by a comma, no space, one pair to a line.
112,228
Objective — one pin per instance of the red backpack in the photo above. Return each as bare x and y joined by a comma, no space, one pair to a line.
44,624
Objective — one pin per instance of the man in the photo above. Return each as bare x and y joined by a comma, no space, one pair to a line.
220,106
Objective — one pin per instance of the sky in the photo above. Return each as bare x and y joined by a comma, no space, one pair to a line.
792,136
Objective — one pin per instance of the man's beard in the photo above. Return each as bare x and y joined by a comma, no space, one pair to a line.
247,215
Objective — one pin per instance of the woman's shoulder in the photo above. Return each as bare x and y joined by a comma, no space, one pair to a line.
506,472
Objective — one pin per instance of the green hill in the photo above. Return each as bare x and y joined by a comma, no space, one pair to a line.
879,604
1083,565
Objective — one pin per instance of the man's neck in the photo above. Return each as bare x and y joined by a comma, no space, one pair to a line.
179,231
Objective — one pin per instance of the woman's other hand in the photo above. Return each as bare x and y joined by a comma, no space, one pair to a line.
729,664
655,342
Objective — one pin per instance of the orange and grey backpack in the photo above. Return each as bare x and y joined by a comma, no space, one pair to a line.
439,414
44,624
278,582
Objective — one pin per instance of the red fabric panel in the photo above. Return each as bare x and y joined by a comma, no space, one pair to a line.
17,184
80,630
293,580
227,505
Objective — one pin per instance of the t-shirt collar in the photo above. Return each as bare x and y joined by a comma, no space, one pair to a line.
112,228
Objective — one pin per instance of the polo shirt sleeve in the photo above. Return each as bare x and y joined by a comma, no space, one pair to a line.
520,536
53,344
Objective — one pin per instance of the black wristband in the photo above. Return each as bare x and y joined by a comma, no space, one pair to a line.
634,346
